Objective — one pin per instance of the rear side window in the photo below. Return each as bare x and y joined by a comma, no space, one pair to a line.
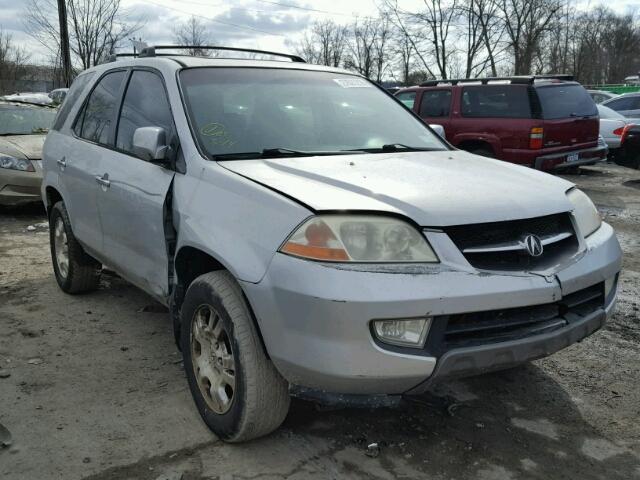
408,98
94,124
70,100
435,103
145,105
496,101
565,101
625,103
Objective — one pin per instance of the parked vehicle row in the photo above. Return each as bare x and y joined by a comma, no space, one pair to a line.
311,236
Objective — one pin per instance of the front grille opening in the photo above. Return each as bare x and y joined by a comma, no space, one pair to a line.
497,234
481,328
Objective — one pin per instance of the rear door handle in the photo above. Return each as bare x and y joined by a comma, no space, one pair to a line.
103,181
62,163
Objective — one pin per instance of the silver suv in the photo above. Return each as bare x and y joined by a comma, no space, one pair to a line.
311,236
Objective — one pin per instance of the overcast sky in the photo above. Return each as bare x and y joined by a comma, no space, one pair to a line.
265,24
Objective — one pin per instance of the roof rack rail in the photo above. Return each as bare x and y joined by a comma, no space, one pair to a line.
150,51
518,79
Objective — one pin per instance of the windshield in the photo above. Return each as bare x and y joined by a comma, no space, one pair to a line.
237,110
606,112
25,119
565,101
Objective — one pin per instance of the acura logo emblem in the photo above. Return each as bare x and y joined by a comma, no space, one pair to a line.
533,245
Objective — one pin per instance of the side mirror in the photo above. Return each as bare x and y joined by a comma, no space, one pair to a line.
150,144
439,129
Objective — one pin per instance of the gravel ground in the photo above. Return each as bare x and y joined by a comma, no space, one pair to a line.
92,387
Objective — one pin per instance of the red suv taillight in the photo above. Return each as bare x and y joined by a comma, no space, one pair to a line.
536,138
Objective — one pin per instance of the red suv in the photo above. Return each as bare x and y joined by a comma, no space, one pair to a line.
542,122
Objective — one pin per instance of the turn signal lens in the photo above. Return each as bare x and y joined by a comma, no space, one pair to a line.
584,211
403,332
359,238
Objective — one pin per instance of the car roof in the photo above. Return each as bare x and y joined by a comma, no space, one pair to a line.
177,62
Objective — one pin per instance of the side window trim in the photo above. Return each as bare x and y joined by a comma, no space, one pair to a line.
172,135
81,113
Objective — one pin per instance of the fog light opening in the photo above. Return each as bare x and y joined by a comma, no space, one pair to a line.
404,332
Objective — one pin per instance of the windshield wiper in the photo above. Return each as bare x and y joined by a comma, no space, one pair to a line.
278,152
395,147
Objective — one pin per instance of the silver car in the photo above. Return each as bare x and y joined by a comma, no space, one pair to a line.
627,104
311,236
622,136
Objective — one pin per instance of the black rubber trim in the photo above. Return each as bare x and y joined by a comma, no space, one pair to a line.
485,358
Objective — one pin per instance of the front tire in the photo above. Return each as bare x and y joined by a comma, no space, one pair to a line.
74,269
238,391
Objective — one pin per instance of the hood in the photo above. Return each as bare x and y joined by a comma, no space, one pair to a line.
29,146
434,189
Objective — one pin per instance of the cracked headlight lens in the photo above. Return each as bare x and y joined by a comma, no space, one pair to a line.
12,163
585,212
359,238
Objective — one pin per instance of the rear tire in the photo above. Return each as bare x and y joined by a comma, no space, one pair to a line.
74,269
238,391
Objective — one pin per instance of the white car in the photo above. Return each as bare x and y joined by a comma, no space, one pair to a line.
620,133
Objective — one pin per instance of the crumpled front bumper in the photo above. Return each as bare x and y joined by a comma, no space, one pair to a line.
315,318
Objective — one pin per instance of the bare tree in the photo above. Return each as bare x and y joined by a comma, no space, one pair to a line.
362,46
484,32
96,27
194,33
404,52
525,22
325,43
13,60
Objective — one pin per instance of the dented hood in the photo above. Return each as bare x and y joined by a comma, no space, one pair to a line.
432,188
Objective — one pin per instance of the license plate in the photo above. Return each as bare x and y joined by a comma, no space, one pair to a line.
573,157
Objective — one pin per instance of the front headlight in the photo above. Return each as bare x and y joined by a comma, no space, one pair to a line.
359,238
584,211
13,163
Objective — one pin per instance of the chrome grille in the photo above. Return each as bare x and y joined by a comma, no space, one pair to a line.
501,245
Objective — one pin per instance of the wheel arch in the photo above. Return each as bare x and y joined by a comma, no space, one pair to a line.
191,262
476,144
52,196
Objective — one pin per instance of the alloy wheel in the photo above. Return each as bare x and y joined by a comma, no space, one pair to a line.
212,359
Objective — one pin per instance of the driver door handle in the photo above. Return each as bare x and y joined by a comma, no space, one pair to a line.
103,180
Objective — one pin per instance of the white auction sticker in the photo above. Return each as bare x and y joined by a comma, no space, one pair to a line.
352,82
